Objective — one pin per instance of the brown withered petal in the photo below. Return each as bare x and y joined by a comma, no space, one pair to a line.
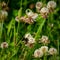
28,20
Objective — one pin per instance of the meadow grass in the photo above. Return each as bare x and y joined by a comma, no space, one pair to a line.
13,32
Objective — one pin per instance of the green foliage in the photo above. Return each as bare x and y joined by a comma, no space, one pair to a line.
13,32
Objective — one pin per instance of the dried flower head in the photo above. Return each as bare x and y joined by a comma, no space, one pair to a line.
39,5
51,4
52,51
38,53
44,40
28,35
28,20
3,15
31,40
4,45
44,49
34,16
44,12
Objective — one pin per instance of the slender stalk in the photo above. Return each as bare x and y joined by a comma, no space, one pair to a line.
58,45
1,29
40,29
14,34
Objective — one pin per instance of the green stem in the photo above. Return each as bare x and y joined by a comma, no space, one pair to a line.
54,57
40,29
1,29
29,28
58,45
14,34
45,57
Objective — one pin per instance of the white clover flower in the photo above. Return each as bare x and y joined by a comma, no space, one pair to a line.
44,10
44,40
4,45
51,4
34,16
44,49
38,53
39,5
52,51
27,20
31,40
28,35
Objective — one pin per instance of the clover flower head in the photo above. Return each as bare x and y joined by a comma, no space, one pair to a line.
39,5
44,38
38,53
52,51
44,10
34,16
44,49
51,4
4,45
31,40
28,35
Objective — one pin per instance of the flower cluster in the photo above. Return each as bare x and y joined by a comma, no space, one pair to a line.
29,18
51,5
43,50
44,40
45,10
30,41
3,11
39,6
